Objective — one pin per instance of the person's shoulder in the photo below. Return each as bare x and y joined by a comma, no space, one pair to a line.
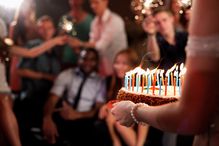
66,72
116,16
90,16
182,34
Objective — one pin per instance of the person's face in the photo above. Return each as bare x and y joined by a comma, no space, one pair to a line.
88,62
98,6
164,22
76,3
46,29
121,65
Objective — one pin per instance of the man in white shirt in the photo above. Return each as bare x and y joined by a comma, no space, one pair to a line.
82,92
107,34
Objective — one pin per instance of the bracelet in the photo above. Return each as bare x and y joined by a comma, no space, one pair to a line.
133,110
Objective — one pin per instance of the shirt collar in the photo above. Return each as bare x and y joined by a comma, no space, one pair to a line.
106,15
78,72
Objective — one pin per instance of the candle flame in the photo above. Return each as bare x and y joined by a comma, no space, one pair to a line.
183,72
181,66
161,72
172,68
153,71
175,73
167,73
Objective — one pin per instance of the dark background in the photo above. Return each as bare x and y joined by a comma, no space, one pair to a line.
56,8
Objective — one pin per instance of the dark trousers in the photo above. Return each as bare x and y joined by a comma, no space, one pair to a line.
79,132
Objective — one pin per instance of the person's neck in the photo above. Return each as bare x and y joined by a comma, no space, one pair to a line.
77,14
170,37
101,14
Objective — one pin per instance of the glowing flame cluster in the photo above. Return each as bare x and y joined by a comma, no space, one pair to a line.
138,79
141,8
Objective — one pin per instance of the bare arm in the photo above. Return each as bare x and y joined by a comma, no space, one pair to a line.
142,134
49,107
153,48
152,45
49,127
36,51
8,123
35,75
198,105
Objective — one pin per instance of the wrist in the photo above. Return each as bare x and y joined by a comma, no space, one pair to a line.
133,113
151,34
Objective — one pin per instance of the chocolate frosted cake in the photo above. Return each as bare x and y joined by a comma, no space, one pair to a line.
150,98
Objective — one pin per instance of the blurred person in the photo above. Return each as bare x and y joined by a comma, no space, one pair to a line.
164,44
124,61
8,122
21,29
74,100
197,110
81,22
107,35
167,47
37,76
185,18
176,10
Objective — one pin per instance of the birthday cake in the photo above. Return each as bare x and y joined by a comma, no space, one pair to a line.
152,87
148,98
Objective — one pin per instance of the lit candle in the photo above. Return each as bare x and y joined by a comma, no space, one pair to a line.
142,83
137,82
176,74
154,82
179,86
160,88
130,81
158,78
168,77
149,82
133,81
162,78
125,81
166,86
171,72
174,87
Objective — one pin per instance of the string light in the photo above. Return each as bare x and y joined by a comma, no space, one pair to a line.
142,8
185,3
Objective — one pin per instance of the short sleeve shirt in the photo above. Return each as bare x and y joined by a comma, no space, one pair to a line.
92,92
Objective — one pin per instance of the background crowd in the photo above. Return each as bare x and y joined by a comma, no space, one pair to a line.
61,79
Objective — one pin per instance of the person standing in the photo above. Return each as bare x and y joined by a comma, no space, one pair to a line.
107,35
165,45
80,21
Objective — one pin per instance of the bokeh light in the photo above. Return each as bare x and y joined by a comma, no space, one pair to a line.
11,4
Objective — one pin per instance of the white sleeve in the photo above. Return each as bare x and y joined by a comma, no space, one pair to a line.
101,92
203,46
61,83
